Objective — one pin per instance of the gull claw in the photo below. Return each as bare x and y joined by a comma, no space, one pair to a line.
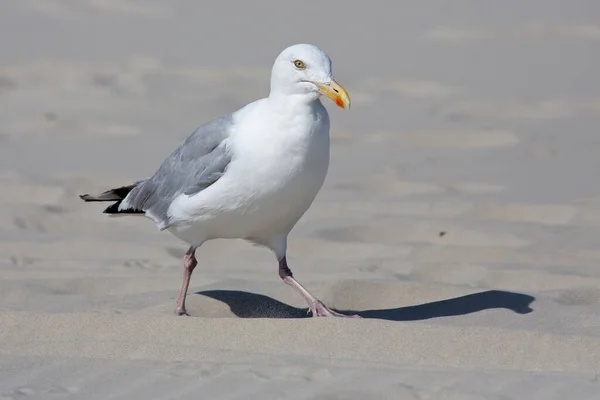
318,309
181,312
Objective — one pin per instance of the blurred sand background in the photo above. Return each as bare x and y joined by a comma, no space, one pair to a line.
460,217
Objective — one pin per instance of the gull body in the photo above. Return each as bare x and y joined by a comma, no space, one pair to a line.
249,175
279,166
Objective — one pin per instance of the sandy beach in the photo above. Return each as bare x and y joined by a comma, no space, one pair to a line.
460,217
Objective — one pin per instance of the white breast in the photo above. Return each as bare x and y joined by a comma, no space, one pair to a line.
279,165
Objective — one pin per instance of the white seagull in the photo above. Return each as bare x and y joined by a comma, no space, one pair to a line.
248,175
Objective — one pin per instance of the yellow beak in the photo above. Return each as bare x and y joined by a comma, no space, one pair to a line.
337,93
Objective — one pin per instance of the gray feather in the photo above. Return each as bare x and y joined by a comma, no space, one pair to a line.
198,163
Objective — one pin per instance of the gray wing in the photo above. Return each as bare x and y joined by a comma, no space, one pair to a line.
198,163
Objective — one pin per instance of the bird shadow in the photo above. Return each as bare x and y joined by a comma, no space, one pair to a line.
252,305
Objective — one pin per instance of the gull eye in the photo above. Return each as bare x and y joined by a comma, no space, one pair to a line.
299,64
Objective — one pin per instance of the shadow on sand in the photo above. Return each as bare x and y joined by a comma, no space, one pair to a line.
252,305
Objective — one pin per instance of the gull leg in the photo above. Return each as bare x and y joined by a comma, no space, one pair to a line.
189,263
315,306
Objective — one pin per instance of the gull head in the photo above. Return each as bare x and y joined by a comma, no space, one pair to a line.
304,70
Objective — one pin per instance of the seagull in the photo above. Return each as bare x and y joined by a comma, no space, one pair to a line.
249,175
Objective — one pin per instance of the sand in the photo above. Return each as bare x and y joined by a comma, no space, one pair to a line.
460,217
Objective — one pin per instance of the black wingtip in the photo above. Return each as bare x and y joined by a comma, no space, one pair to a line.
114,209
110,195
88,197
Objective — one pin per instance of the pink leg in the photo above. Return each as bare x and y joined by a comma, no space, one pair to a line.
189,263
315,306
